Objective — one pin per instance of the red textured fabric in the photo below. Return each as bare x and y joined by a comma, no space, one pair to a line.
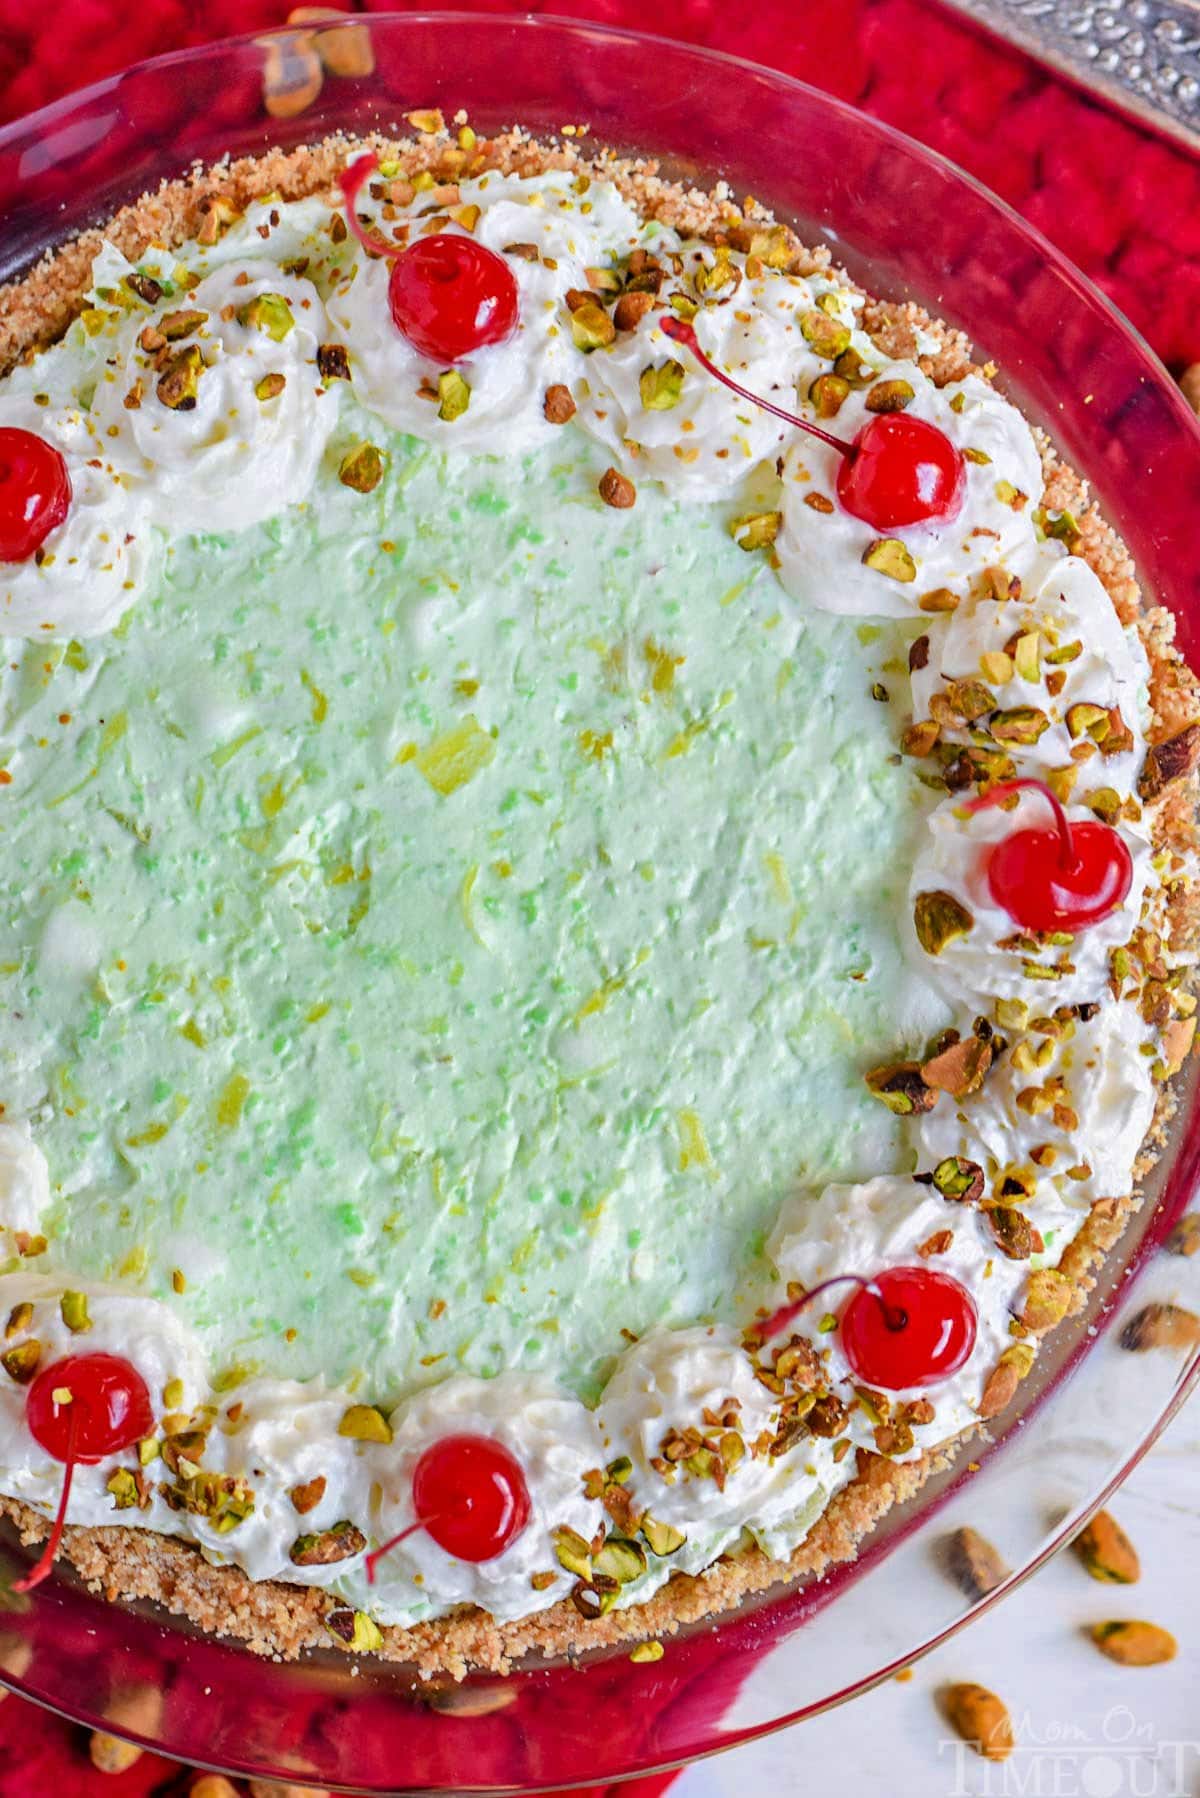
1123,204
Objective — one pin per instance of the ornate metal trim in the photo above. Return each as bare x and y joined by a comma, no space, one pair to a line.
1143,56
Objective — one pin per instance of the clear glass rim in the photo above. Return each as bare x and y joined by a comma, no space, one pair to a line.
58,111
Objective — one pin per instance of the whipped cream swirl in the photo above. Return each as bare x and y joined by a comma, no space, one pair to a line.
993,958
548,232
821,547
96,563
224,423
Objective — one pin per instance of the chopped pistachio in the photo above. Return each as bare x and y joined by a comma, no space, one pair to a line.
853,370
661,386
365,1423
572,1552
890,396
175,326
454,395
755,530
1013,1232
179,383
339,1543
74,1309
124,1489
591,326
1090,720
959,1179
19,1320
361,468
1008,495
920,739
1026,656
825,335
270,387
1021,724
969,699
996,666
888,555
268,312
940,918
663,1538
938,599
621,1560
827,394
900,1086
21,1363
1061,525
646,1652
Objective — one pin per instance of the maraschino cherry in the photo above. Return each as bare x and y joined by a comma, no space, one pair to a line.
909,1326
898,471
449,295
35,492
83,1409
470,1495
1060,878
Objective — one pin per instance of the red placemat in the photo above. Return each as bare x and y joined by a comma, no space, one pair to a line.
1123,204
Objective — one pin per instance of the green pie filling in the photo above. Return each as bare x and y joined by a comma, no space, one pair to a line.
441,926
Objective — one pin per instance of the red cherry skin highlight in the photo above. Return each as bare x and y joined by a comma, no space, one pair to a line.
108,1411
82,1409
451,296
1027,878
1063,878
898,471
35,493
912,1326
904,471
471,1497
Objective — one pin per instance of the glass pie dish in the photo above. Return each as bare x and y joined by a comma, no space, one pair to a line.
905,224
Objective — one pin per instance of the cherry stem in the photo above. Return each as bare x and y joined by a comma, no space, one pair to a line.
1068,856
352,181
894,1316
681,332
46,1561
376,1555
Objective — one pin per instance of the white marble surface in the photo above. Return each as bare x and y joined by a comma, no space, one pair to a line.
1086,1728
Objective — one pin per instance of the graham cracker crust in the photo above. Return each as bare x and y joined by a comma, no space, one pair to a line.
273,1618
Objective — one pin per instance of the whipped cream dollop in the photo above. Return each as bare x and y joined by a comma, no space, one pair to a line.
553,1437
96,563
704,444
141,1329
548,232
821,547
1079,1092
24,1185
885,1223
1045,671
222,421
702,1379
990,957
